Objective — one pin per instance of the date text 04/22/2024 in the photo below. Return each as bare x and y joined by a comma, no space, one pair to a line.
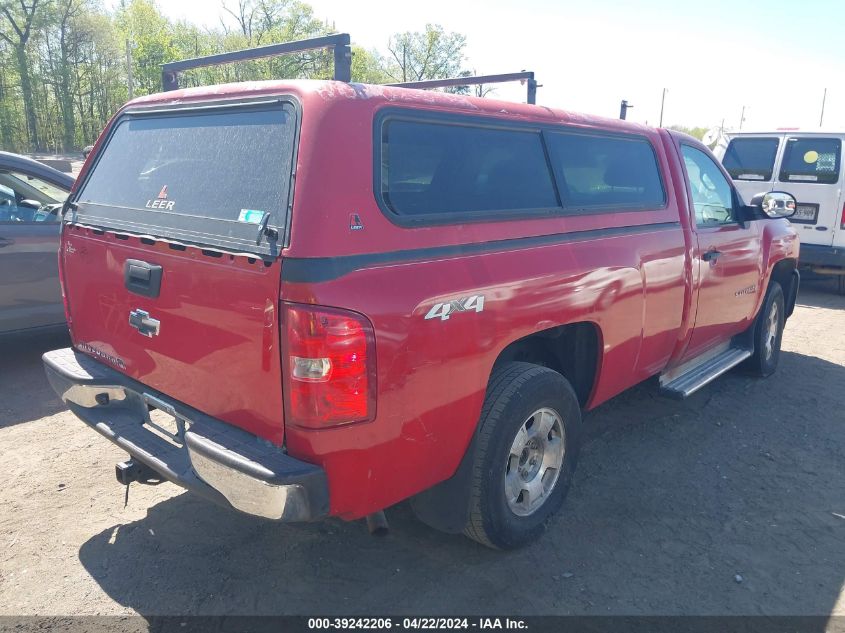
416,623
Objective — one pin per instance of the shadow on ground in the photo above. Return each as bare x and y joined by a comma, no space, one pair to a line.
820,292
731,502
22,376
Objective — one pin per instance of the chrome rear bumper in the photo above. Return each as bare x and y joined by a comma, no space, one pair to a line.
207,456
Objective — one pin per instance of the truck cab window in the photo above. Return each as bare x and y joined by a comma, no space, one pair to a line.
712,195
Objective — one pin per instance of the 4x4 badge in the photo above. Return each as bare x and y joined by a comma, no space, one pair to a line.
464,304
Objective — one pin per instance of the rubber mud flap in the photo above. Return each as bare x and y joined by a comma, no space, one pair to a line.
445,506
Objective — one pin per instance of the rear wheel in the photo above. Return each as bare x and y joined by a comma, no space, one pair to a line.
528,445
768,332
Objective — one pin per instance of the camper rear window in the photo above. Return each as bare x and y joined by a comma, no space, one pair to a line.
751,158
811,160
207,176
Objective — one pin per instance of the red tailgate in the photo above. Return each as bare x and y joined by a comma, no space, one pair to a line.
171,255
217,347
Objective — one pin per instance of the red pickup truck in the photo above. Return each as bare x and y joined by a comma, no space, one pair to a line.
301,299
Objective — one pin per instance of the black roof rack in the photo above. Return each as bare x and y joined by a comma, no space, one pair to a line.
524,76
341,44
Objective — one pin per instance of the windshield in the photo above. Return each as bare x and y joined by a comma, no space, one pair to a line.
35,188
207,176
25,198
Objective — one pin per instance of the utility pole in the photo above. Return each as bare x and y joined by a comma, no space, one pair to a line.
623,109
824,98
129,70
742,117
662,101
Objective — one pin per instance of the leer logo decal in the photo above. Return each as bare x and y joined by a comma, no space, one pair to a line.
464,304
161,201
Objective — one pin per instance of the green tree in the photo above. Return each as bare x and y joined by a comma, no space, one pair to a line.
63,63
7,114
431,54
262,22
149,34
68,36
20,18
368,66
99,72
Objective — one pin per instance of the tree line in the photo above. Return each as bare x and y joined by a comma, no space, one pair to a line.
67,65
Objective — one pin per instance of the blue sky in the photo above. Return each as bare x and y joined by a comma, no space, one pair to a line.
713,56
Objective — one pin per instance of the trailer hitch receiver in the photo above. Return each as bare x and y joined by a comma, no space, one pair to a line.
130,470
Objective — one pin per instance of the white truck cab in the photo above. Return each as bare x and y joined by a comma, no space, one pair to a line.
807,164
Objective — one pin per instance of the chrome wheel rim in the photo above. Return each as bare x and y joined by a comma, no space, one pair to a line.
534,461
772,323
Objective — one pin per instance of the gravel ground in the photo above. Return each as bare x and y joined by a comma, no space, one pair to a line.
731,502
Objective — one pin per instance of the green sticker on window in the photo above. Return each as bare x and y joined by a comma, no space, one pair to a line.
250,216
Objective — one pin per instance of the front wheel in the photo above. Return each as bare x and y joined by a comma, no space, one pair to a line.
768,332
528,444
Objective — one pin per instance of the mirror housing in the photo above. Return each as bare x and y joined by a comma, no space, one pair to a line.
772,205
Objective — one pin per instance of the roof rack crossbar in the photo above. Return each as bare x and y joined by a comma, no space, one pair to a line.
340,43
526,76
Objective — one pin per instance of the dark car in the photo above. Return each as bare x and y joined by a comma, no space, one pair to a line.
31,196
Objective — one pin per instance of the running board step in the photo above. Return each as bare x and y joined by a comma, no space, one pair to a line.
700,373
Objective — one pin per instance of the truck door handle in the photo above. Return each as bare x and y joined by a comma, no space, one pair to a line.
142,278
711,256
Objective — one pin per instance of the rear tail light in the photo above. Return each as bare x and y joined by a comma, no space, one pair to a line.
329,366
842,220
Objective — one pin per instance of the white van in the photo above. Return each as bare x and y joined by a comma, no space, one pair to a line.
809,166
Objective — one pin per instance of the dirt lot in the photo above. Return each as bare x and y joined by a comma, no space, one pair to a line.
673,502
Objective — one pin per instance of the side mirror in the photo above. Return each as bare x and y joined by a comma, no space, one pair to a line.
773,204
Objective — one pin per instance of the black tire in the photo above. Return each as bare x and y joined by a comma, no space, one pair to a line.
764,361
516,390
